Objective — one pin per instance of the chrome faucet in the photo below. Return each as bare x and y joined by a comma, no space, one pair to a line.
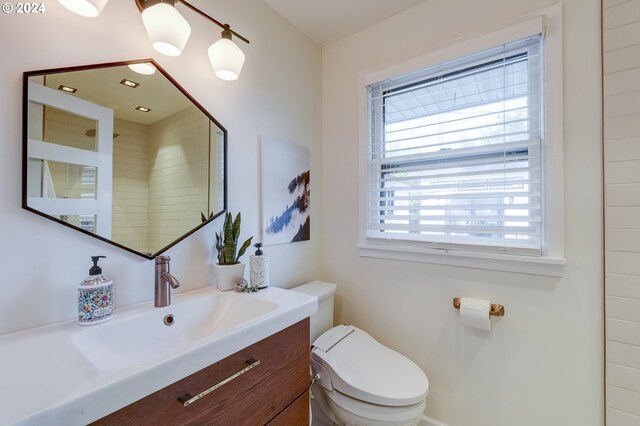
163,280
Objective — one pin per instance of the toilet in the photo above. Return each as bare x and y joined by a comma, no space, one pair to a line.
360,381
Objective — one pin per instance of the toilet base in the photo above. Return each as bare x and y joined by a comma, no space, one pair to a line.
335,409
320,413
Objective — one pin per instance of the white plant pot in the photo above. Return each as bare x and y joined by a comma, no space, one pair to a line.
226,275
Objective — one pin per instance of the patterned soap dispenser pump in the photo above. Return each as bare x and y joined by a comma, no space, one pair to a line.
259,268
95,296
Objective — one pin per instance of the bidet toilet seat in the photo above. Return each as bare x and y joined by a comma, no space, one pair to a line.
361,368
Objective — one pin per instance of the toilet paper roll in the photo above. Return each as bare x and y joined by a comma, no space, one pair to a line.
475,313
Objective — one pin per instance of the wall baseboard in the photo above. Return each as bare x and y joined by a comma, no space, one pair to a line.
428,421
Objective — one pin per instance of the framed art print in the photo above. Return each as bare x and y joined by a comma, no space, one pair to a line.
286,192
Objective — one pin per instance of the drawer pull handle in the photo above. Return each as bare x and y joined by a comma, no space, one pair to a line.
187,399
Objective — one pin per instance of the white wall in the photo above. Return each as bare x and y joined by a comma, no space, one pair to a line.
621,39
542,363
41,262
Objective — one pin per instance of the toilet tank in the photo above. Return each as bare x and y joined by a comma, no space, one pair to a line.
323,319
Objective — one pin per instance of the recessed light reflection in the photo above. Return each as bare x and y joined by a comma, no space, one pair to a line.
67,89
129,83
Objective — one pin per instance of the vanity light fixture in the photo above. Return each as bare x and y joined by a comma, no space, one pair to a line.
67,89
129,83
169,32
143,109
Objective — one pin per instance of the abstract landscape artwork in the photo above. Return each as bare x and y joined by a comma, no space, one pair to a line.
285,192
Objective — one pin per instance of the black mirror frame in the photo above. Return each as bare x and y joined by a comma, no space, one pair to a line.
25,106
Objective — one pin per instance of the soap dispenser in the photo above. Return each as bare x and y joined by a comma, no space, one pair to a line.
259,268
95,296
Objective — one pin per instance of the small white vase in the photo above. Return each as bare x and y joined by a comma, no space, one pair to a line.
227,275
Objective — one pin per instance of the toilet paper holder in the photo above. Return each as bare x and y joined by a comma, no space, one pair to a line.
496,310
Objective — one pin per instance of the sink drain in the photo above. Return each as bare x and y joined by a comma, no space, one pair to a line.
169,319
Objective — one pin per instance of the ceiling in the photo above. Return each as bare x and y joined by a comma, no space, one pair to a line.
327,21
102,86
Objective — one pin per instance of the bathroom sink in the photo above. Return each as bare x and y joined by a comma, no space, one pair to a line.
82,373
138,338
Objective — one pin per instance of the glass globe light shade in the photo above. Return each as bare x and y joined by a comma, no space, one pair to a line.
167,28
88,8
226,59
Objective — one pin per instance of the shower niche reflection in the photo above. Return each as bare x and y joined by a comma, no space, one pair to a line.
121,153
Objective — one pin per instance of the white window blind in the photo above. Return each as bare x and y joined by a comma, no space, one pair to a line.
455,153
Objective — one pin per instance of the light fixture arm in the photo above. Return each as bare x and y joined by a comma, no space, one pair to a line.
143,4
225,27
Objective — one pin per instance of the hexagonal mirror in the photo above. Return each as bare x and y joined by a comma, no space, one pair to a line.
121,152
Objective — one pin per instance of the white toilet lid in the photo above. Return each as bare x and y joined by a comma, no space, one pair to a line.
364,369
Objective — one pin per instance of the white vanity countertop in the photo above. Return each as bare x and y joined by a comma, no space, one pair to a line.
48,377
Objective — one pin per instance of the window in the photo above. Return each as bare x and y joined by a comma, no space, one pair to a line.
455,158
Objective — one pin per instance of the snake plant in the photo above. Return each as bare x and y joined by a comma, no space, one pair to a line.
227,241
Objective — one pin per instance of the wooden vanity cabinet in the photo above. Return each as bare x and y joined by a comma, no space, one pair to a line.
273,393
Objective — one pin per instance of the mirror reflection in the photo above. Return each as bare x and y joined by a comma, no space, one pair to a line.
121,153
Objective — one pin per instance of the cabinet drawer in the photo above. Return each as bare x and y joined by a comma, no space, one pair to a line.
253,398
296,414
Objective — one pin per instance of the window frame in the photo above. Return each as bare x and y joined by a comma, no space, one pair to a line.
548,22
